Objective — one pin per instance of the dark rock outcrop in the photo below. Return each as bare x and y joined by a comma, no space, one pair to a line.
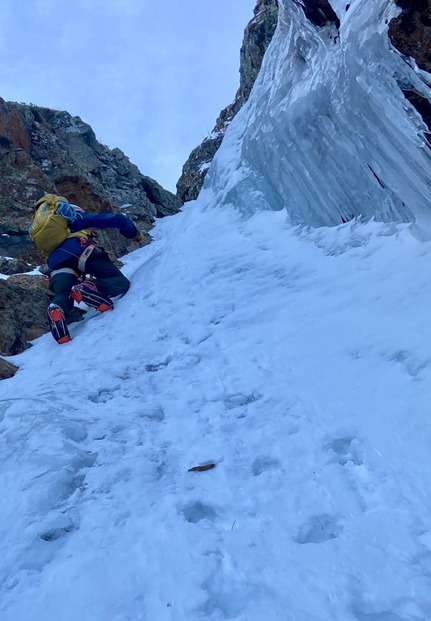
319,12
410,33
257,37
9,265
43,150
23,302
423,106
7,369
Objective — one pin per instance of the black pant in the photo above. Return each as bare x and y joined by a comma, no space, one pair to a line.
107,278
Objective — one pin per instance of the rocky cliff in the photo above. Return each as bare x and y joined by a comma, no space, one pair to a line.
410,33
43,150
257,37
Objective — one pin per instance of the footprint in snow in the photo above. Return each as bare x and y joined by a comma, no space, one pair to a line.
153,368
345,450
239,400
47,544
318,529
263,464
410,362
152,412
196,511
103,395
52,534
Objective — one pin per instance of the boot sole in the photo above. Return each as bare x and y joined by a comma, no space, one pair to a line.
56,316
102,308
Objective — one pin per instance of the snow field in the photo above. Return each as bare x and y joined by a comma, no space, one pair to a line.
298,361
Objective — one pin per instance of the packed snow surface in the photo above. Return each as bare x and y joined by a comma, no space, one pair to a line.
298,361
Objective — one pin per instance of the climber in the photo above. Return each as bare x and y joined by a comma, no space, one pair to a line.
64,233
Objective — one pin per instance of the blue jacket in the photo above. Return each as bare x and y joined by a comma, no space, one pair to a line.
68,253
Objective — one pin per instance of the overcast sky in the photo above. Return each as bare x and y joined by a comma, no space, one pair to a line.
149,76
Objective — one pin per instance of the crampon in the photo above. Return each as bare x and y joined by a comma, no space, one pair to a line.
88,293
57,324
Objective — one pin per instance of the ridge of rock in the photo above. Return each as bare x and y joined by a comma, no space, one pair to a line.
257,36
44,150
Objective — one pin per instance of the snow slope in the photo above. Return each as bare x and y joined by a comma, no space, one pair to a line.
297,360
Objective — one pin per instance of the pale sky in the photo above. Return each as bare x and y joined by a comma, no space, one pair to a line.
149,76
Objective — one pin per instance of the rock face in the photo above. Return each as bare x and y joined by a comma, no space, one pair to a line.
319,12
43,150
7,369
257,37
23,302
410,33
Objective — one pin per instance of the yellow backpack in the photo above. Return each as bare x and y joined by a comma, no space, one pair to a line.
50,229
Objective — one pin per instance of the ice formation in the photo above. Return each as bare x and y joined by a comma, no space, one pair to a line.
327,133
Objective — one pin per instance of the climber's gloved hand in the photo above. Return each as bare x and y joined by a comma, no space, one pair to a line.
138,239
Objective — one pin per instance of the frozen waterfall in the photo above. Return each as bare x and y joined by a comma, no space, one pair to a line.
327,133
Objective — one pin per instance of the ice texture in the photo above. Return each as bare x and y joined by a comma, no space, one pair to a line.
327,133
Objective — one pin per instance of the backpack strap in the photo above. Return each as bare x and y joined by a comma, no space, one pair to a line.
84,233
